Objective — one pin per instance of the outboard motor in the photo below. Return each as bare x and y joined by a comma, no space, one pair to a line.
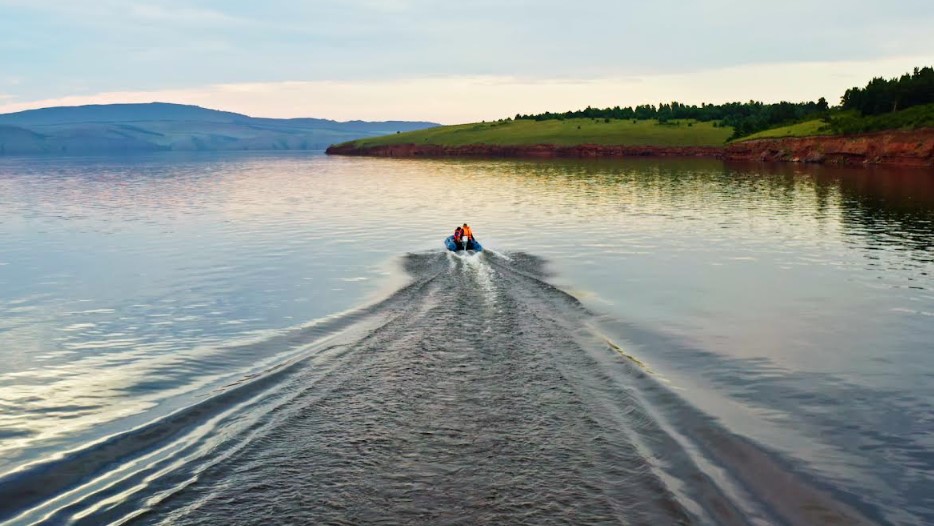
466,241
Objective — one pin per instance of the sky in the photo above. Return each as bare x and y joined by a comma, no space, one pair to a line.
449,61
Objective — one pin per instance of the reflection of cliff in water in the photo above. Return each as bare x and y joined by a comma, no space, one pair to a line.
892,208
888,206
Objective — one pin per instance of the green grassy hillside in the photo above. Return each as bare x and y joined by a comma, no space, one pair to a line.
850,122
563,133
571,132
801,129
921,116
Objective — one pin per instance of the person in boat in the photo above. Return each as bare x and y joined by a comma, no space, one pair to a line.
458,233
467,233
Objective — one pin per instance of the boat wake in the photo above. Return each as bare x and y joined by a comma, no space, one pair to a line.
477,393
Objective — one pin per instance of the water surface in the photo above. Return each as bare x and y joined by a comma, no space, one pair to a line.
281,337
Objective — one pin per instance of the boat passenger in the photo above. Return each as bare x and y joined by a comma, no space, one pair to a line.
467,232
458,232
468,236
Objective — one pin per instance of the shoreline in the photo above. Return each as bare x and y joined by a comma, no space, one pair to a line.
898,148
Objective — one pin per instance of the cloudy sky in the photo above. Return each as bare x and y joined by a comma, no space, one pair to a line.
449,61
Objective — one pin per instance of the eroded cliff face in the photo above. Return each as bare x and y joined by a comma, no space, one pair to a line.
907,148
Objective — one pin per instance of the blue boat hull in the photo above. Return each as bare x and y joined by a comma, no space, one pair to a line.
454,247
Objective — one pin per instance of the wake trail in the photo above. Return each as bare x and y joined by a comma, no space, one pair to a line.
475,403
478,393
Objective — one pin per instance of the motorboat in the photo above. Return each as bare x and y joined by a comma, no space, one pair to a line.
469,245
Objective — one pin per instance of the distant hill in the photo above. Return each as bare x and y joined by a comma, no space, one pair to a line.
121,128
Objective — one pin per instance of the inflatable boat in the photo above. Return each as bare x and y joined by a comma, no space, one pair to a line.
472,245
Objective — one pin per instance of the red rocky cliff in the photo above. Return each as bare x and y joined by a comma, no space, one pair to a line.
906,148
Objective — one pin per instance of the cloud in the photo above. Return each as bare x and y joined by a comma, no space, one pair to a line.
455,99
625,47
155,44
181,15
108,11
389,6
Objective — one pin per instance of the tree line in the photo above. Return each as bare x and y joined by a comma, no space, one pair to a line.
745,118
880,96
885,96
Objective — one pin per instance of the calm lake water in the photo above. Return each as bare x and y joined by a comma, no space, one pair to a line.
209,339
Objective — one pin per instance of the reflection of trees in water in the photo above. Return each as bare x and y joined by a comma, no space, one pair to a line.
673,178
885,206
891,207
704,189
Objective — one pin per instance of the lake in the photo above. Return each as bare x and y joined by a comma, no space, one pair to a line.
281,337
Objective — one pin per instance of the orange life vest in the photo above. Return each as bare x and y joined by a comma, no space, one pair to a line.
468,233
